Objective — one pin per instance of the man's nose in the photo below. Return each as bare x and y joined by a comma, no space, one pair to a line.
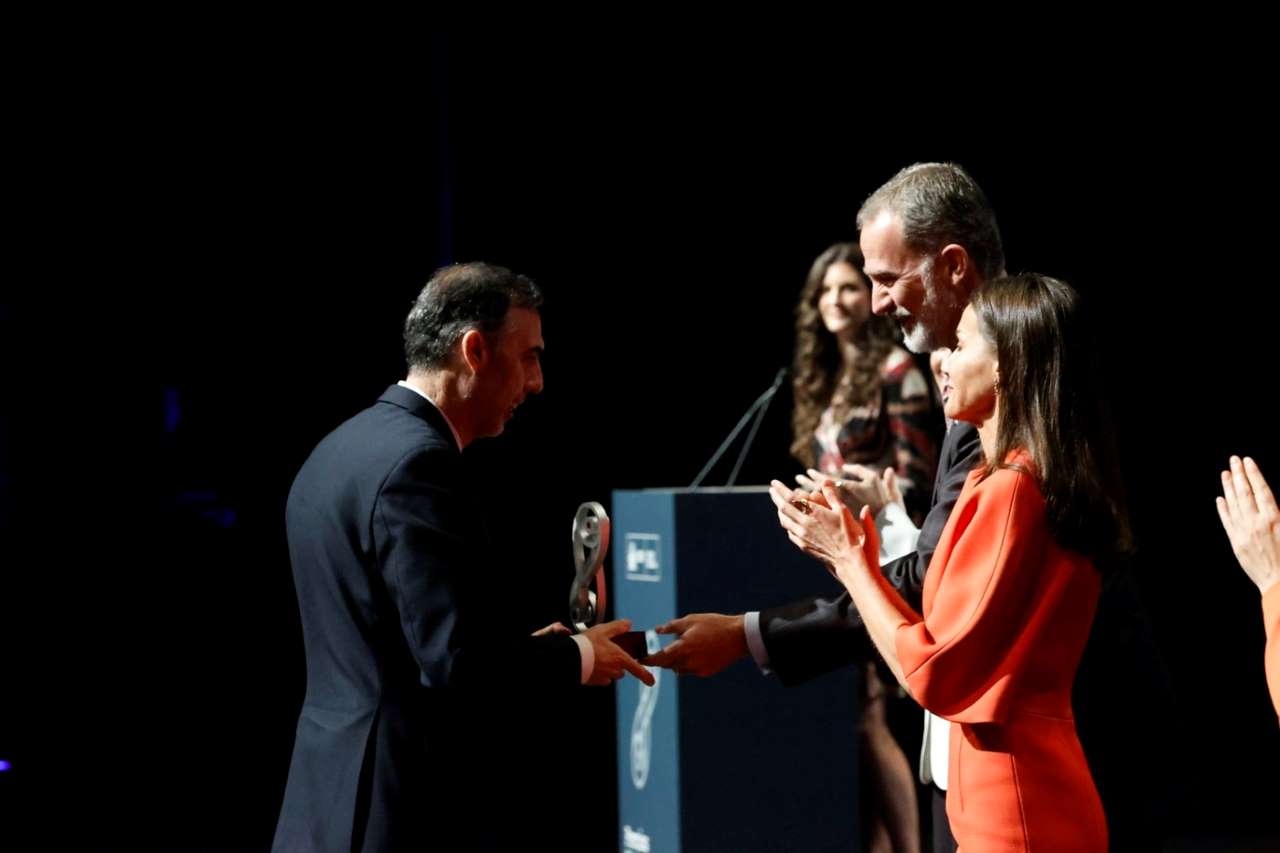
881,301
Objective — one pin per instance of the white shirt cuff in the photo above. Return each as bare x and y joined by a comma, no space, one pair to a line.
898,534
755,642
588,655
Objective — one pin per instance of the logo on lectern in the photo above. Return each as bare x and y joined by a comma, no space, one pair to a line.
642,557
635,840
642,721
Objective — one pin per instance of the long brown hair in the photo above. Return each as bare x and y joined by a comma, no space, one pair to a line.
1052,405
817,357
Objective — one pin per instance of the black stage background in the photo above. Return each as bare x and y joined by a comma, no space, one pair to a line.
224,257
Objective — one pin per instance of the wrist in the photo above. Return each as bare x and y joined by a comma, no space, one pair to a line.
844,570
739,623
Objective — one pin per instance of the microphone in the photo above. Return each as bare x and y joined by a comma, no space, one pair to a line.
758,408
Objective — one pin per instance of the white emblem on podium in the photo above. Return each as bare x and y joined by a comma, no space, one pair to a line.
642,722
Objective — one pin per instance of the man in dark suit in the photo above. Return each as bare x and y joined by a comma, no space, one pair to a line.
929,238
389,563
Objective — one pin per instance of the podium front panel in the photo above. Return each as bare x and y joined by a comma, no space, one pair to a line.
736,761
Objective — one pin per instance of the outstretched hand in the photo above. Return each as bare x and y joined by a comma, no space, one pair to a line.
1249,515
611,661
706,643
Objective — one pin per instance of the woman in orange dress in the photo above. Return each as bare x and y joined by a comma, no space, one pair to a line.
1011,590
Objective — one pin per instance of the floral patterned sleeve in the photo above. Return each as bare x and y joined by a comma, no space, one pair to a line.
915,426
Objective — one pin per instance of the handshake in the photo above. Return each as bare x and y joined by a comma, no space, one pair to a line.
705,644
615,647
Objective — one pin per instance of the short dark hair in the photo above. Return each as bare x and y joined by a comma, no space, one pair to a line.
939,203
458,298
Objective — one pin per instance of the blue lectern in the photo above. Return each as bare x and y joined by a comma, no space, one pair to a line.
734,762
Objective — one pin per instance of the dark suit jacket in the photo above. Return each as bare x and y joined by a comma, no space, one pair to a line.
389,560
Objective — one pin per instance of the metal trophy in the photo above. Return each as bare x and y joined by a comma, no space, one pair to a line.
587,606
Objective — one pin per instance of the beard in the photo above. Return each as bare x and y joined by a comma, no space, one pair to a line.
934,325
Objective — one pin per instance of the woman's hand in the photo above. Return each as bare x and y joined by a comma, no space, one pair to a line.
832,536
1250,517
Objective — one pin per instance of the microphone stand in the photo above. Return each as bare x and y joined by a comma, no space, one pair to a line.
758,408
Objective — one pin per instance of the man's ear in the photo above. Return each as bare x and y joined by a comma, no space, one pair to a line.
956,263
474,349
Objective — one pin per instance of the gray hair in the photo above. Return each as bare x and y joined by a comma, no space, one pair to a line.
458,298
939,203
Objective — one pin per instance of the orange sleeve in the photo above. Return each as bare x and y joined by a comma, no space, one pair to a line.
1271,659
957,661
